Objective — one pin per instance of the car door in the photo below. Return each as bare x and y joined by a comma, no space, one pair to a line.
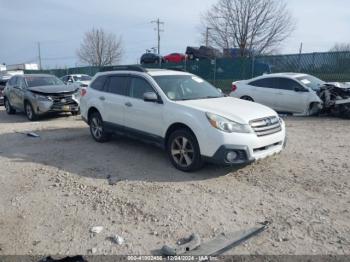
264,91
20,92
292,97
143,118
17,93
10,92
114,99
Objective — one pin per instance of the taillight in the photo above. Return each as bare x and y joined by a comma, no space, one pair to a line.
83,92
234,88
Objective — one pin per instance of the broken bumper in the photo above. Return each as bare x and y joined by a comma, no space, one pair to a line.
56,106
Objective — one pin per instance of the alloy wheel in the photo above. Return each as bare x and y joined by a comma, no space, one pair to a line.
182,151
96,127
7,106
29,111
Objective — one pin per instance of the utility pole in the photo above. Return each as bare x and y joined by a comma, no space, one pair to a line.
159,30
207,36
300,52
39,55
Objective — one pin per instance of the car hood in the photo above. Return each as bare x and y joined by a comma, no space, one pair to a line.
54,89
237,110
84,82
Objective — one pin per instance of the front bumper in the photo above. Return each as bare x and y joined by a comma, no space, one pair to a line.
45,107
248,147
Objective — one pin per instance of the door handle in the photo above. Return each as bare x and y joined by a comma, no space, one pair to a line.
128,104
102,98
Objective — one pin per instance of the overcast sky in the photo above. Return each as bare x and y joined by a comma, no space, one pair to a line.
59,25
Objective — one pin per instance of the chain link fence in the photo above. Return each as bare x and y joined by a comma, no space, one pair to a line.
331,67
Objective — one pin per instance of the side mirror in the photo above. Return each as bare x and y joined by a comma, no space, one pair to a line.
220,90
150,97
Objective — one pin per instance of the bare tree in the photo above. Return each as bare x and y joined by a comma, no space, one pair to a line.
340,47
258,26
100,48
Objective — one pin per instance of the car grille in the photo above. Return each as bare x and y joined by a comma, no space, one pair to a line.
266,126
63,100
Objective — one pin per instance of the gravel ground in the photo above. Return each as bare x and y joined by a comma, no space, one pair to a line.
55,188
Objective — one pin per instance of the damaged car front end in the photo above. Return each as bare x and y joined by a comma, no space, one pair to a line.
336,100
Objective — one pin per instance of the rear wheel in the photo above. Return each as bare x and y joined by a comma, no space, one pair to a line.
247,98
97,130
9,109
30,112
183,151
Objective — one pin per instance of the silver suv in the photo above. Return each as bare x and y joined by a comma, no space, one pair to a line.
37,95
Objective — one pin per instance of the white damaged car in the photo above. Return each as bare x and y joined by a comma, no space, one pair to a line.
188,117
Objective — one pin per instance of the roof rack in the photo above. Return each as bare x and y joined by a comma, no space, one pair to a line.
124,68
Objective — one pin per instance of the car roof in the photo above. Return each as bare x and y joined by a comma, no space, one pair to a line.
288,74
148,71
37,75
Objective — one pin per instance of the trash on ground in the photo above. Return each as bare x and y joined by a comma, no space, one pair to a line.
184,245
118,240
30,134
216,246
96,230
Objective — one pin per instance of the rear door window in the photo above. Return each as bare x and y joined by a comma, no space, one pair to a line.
139,86
265,82
117,85
99,83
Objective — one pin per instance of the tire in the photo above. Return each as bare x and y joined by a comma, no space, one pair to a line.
183,151
96,128
9,109
75,113
28,109
247,98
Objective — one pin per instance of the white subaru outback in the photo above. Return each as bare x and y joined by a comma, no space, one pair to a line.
188,117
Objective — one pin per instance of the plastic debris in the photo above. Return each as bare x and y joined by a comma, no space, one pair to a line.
118,240
96,230
30,134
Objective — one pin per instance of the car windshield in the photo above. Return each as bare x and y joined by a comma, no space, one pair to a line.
33,81
82,78
312,82
186,87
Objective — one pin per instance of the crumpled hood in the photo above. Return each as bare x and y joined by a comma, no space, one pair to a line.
237,110
54,89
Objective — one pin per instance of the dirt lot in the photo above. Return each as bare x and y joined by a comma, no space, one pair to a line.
53,189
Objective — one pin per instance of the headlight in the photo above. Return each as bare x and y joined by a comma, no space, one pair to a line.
42,98
227,125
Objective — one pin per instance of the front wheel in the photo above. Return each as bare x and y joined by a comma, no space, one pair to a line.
30,112
97,130
9,109
183,151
